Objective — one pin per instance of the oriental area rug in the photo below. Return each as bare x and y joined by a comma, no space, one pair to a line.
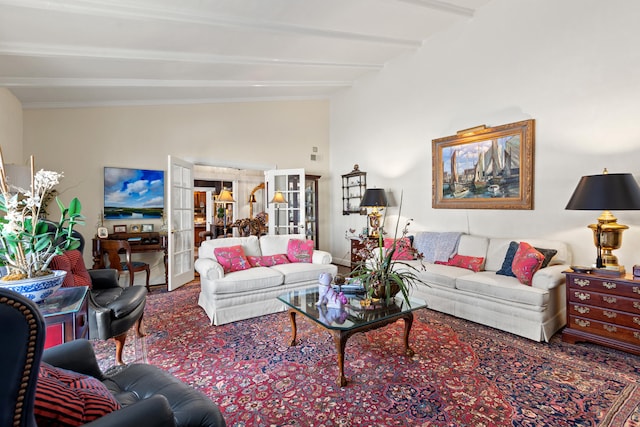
462,374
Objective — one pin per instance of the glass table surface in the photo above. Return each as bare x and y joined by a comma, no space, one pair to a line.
63,301
352,315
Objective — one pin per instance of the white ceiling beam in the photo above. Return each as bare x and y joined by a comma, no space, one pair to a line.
442,6
122,10
33,82
65,51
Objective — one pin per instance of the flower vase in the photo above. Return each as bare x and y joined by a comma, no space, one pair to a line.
379,291
36,288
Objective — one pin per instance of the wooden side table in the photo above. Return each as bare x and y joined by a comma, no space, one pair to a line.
66,309
603,310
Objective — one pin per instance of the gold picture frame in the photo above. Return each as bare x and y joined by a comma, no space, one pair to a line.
484,168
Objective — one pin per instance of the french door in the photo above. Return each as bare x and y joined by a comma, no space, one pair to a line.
180,220
285,201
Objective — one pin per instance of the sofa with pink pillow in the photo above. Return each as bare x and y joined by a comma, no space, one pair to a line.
241,277
516,285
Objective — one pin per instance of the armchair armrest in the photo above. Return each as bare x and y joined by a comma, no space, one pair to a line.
77,356
103,278
549,277
321,257
151,412
209,268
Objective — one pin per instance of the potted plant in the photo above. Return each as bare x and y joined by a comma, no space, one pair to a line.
381,274
28,241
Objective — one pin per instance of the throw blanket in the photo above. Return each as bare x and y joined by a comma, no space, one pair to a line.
437,246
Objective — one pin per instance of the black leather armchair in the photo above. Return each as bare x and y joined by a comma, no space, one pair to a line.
150,396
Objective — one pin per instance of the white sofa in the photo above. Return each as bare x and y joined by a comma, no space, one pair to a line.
253,292
535,312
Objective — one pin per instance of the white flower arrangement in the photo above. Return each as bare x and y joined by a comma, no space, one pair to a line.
28,243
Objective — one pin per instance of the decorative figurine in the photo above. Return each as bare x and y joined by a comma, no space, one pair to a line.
327,295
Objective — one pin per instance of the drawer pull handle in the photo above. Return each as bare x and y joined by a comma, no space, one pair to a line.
582,296
636,304
610,300
636,320
583,323
609,285
610,328
636,290
581,282
609,314
581,309
636,335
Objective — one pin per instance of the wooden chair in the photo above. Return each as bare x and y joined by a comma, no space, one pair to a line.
113,251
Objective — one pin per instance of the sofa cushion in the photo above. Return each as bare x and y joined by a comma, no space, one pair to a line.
436,274
487,284
268,260
548,255
526,262
249,244
498,248
506,269
121,301
475,246
296,272
66,398
403,251
272,244
468,262
231,258
248,280
299,250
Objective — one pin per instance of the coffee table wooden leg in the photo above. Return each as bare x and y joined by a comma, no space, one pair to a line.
341,342
408,321
292,316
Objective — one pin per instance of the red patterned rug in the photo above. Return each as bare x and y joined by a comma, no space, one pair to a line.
462,374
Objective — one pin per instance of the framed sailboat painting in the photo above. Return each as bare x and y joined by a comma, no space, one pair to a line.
484,168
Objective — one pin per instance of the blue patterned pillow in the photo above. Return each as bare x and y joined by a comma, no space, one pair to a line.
506,270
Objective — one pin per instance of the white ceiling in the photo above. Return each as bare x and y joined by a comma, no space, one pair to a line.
65,53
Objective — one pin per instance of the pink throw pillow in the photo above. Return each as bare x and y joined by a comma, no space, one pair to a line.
268,260
468,262
231,258
299,250
403,250
526,262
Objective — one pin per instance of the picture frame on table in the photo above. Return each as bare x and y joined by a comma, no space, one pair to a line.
135,228
119,228
147,228
484,168
103,233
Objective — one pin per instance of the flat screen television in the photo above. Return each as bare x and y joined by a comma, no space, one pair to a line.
133,193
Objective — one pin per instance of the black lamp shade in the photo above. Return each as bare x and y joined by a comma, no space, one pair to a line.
374,198
612,191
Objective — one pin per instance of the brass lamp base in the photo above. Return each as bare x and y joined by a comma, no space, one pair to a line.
607,236
374,223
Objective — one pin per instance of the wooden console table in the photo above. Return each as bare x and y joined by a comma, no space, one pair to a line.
139,242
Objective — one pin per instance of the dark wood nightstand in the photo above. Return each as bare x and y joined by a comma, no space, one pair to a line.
603,310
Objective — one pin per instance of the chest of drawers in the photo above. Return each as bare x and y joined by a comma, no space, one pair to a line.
603,310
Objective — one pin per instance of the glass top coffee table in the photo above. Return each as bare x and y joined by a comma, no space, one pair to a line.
350,319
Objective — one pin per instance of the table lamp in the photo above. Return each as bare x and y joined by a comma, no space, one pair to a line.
606,192
376,199
225,197
278,199
252,200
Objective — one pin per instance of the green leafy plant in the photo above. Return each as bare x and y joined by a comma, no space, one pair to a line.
28,242
381,275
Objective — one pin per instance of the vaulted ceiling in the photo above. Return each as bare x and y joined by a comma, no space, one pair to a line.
63,53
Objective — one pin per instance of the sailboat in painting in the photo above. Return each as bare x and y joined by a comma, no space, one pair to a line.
457,188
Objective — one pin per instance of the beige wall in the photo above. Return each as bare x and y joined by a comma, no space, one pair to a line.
80,142
11,128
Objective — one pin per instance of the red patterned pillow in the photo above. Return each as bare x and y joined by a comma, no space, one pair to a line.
73,264
268,260
66,398
299,250
469,262
231,258
403,250
526,262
